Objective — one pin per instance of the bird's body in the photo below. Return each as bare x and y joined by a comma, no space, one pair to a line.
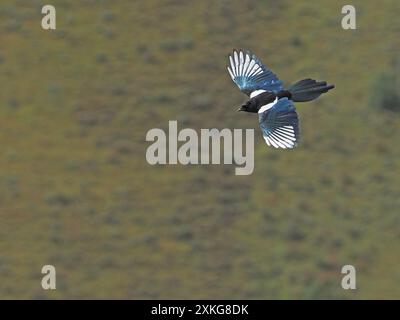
263,98
277,115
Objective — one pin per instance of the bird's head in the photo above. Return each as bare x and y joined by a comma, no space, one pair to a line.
241,108
249,106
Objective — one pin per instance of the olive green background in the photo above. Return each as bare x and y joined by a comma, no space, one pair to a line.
76,191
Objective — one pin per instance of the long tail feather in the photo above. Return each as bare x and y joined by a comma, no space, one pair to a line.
308,89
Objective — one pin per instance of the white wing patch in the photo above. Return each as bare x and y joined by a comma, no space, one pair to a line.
282,137
266,106
243,65
279,139
256,93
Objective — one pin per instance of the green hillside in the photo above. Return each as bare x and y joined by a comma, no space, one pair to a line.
76,191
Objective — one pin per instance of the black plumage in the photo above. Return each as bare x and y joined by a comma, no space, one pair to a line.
277,115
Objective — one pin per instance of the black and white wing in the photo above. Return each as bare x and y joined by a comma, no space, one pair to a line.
280,124
250,75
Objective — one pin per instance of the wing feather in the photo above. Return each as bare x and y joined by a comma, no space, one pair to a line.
249,74
280,124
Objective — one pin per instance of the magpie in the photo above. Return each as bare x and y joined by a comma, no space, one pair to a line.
277,115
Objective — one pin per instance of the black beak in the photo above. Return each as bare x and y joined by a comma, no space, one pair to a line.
240,109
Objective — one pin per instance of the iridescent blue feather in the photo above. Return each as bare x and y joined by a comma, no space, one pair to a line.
249,74
280,124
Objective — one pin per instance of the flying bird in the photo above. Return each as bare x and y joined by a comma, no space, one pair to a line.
277,115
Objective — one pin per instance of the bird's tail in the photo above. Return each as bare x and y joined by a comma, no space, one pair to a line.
308,89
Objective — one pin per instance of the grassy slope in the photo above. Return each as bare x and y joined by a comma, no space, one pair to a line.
76,191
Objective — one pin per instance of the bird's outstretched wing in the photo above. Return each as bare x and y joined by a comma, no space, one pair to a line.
250,75
280,124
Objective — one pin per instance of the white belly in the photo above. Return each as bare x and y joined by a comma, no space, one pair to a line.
268,106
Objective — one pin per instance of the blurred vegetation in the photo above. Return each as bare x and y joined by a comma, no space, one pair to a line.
385,91
76,191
